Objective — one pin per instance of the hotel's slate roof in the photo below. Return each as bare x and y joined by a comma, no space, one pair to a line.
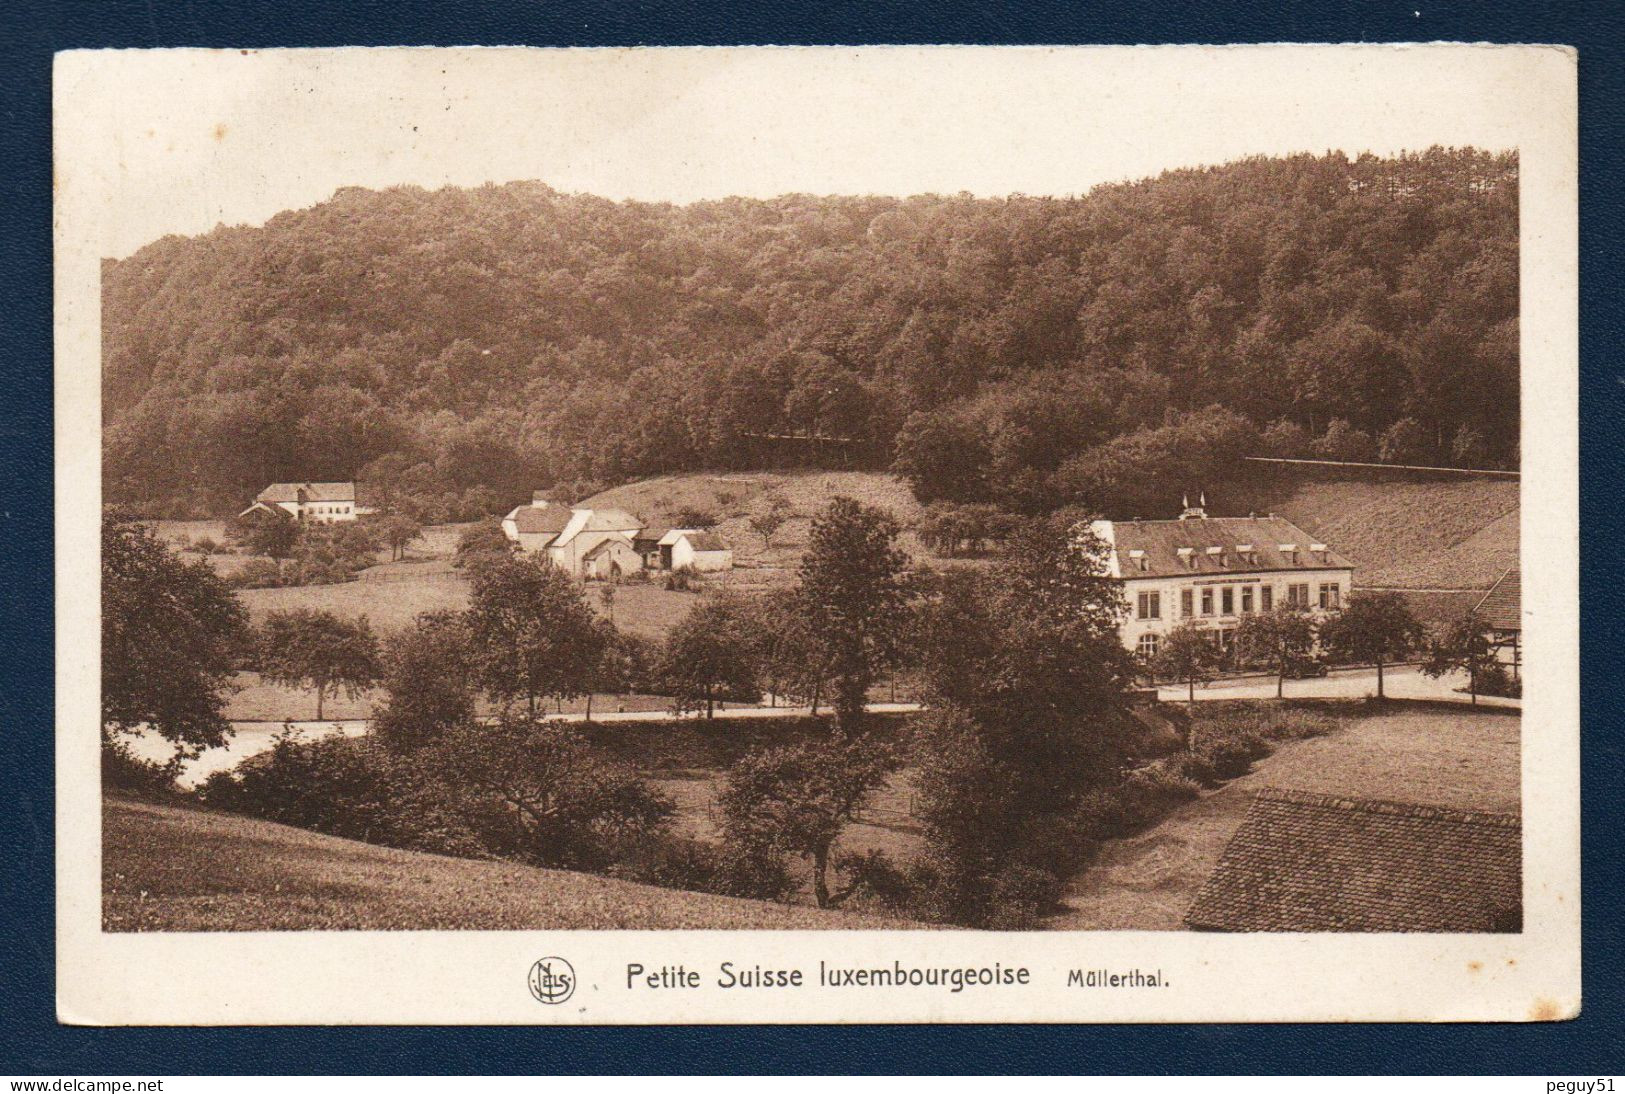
1161,541
1308,862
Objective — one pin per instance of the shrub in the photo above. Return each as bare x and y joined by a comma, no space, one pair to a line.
1495,680
1022,894
124,770
259,573
1232,755
205,546
681,580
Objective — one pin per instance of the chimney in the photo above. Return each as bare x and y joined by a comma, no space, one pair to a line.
1194,512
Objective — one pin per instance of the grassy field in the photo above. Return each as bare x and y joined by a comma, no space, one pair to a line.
1460,534
1461,759
176,869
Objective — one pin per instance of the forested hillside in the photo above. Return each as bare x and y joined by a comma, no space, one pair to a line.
456,349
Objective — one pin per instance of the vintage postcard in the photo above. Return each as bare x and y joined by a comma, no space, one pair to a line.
747,535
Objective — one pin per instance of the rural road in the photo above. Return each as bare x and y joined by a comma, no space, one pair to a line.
251,738
1401,682
1404,682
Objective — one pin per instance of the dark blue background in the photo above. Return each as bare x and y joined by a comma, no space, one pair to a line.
32,1042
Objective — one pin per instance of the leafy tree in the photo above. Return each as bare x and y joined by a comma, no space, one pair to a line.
1026,684
1342,441
304,648
942,459
1463,646
790,660
1277,638
1467,448
483,540
694,516
427,682
1187,653
273,535
398,531
172,633
532,633
769,520
1404,442
795,800
708,656
852,593
1372,628
1285,439
548,796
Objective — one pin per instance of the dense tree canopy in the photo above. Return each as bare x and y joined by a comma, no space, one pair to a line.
172,633
456,349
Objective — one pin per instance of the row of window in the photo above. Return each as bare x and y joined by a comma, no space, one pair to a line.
1223,600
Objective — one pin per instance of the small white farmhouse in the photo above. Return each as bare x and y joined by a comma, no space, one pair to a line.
691,549
315,502
1215,570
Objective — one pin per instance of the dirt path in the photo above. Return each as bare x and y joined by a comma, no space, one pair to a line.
1465,760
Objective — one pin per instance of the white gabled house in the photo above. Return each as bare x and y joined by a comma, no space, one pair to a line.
1216,570
313,502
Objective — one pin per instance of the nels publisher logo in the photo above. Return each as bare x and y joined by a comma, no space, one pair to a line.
552,980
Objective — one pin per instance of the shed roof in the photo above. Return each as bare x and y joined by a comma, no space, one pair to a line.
1502,606
706,541
1309,862
1161,541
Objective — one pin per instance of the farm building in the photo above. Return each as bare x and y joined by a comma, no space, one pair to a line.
1502,615
1215,570
692,549
607,543
315,502
1309,862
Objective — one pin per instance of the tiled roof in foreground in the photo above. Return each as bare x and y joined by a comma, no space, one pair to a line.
1309,862
1501,607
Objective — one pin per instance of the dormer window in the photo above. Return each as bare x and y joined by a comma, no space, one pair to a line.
1139,561
1187,555
1289,551
1217,555
1319,551
1249,556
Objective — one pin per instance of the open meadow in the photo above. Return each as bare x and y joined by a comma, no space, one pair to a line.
1458,758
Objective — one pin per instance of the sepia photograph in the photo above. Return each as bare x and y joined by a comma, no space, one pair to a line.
1044,500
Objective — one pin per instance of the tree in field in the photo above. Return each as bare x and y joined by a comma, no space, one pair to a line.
796,800
767,522
1373,628
398,531
790,661
426,680
171,635
853,596
1027,686
273,535
1277,638
710,656
548,794
483,540
1187,653
532,632
1463,646
303,648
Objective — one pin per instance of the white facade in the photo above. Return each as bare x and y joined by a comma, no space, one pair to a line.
1214,572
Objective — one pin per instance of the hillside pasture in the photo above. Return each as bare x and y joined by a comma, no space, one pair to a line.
166,868
1455,534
